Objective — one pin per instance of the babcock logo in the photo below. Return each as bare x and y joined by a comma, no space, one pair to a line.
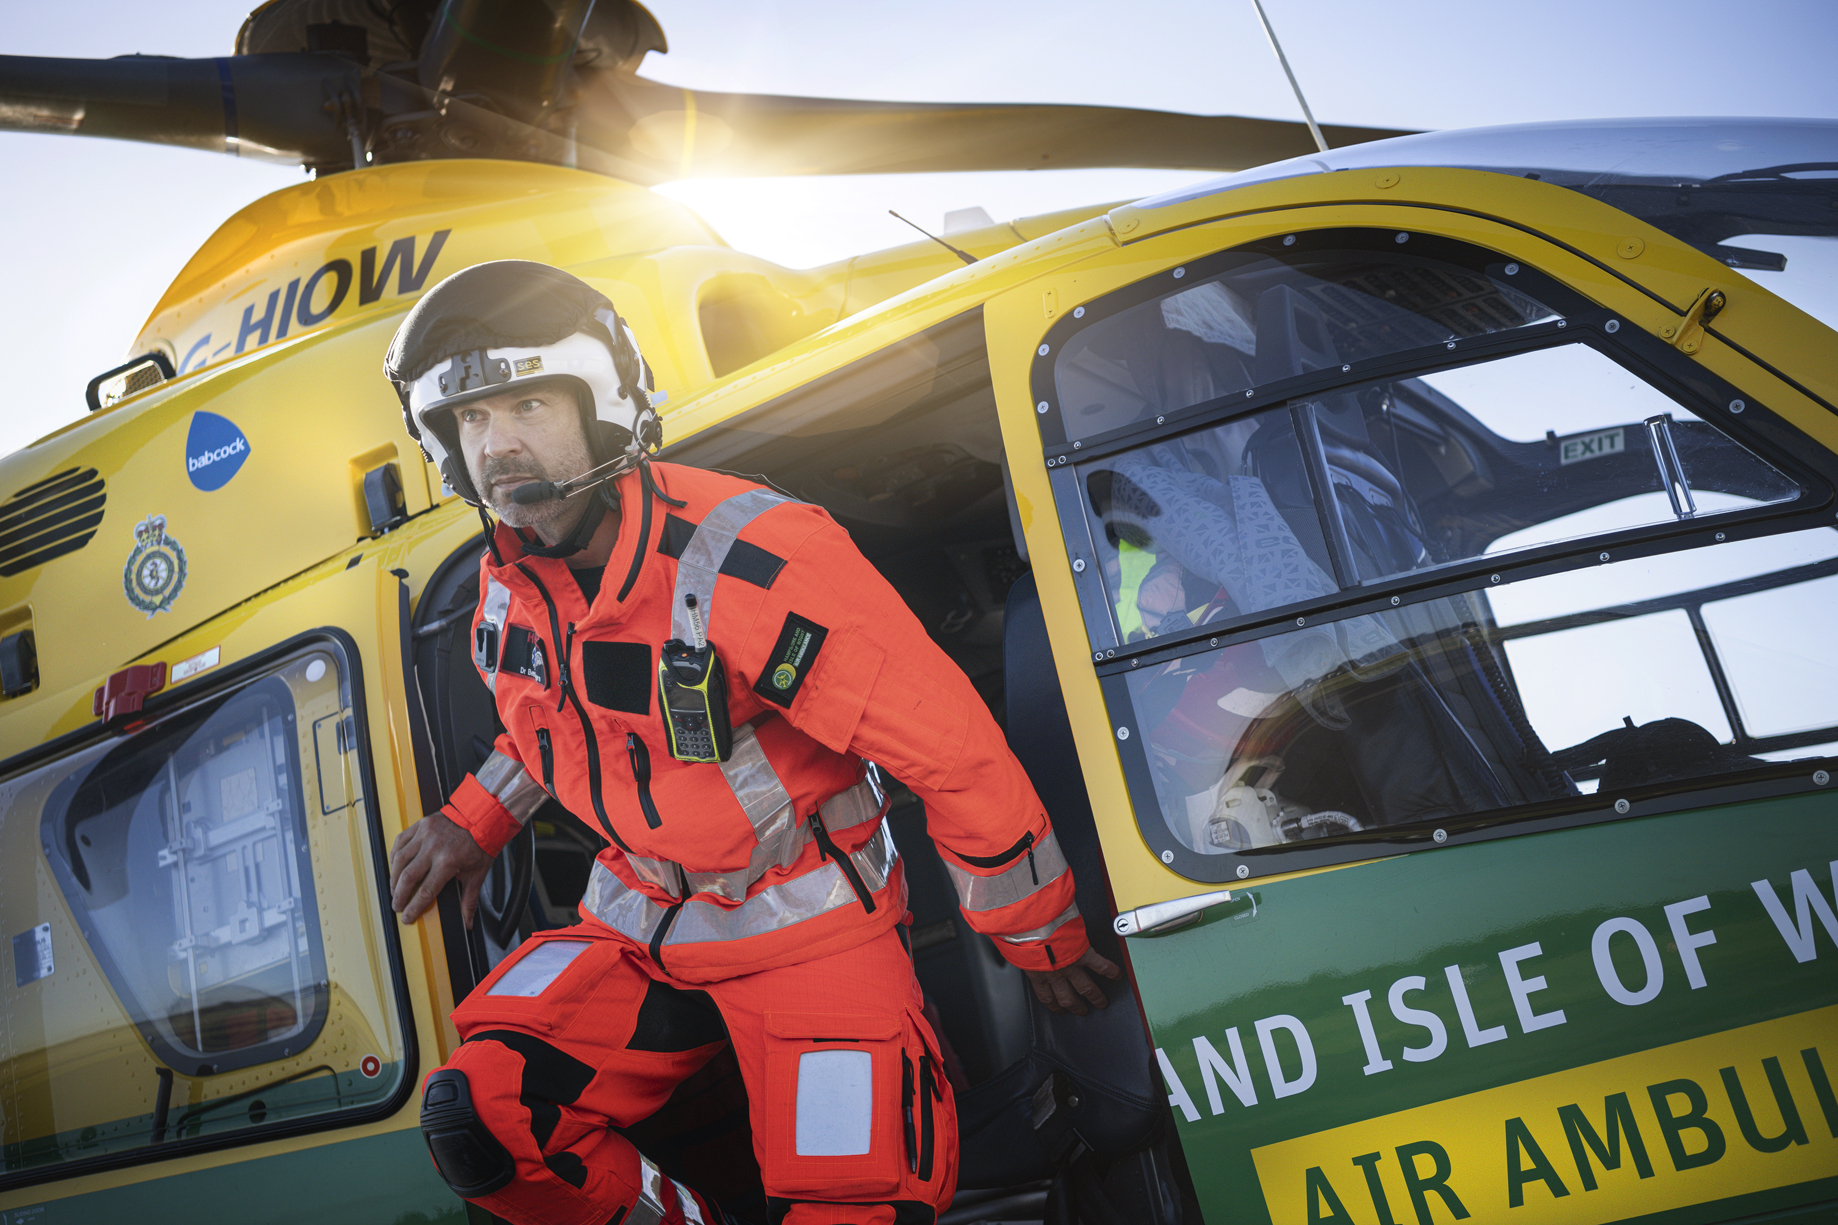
214,451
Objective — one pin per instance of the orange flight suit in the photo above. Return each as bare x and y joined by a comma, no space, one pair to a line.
768,880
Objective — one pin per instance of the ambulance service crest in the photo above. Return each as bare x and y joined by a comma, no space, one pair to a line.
155,573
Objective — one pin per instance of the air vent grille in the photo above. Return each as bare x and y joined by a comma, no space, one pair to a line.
56,516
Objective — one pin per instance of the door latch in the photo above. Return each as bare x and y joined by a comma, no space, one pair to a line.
1687,335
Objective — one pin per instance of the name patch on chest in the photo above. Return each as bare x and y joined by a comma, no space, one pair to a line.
793,656
524,654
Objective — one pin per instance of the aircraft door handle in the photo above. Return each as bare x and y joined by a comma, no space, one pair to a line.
1166,916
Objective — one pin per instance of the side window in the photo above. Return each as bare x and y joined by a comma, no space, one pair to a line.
1680,667
203,957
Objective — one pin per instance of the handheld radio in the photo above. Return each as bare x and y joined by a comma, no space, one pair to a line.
693,688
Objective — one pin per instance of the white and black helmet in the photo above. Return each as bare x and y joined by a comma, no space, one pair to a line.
491,326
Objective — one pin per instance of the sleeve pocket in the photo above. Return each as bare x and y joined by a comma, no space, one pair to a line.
830,708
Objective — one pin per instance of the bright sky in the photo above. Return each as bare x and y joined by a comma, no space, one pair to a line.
91,231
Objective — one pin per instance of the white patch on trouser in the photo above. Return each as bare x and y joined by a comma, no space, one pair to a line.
539,967
835,1103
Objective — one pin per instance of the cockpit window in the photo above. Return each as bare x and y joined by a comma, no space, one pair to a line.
1386,478
202,960
1249,319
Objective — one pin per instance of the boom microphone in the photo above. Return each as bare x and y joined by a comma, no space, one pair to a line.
537,491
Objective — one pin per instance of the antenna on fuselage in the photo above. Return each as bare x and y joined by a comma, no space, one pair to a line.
1314,129
963,255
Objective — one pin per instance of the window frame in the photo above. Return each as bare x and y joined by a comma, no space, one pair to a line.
240,675
1580,320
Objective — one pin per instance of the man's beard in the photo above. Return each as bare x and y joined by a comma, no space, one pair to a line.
557,515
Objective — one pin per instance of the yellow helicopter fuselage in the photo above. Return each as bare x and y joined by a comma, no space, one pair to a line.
287,571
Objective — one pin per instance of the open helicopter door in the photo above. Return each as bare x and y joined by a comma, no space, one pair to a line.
209,956
1446,656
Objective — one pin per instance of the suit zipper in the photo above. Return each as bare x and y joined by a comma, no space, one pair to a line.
546,747
656,947
827,849
906,1108
641,774
587,728
1024,844
927,1089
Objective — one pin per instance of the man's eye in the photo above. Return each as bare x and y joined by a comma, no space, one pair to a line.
530,406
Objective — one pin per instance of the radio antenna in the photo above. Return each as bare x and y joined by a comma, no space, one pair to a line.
963,255
1314,129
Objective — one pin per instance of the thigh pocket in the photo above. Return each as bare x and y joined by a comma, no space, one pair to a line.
835,1082
542,987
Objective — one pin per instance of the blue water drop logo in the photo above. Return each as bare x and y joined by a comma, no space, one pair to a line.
214,451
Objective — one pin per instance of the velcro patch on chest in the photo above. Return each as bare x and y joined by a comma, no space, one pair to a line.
618,675
524,654
793,656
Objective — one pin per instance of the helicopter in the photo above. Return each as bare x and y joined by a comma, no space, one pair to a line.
1421,548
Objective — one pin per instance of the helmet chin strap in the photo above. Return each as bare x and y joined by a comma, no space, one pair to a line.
577,539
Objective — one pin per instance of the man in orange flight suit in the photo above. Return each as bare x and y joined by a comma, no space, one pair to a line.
752,900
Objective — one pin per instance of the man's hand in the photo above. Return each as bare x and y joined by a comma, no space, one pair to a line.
1068,989
426,856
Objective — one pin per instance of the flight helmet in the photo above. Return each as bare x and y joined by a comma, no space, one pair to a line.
489,327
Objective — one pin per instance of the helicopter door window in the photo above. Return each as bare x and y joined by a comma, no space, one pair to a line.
212,916
1275,310
1530,693
1521,452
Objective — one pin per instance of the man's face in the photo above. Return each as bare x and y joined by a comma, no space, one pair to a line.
530,434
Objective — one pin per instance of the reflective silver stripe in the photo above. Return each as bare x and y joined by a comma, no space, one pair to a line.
778,838
772,909
752,779
493,610
1041,933
707,549
847,809
784,840
781,842
692,1215
763,798
511,785
1014,882
666,874
777,834
649,1210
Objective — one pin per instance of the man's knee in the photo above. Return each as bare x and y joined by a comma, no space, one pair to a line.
497,1100
469,1156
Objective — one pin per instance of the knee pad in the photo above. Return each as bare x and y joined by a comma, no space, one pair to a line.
471,1160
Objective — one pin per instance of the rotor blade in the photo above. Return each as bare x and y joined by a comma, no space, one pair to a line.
295,108
276,108
680,133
